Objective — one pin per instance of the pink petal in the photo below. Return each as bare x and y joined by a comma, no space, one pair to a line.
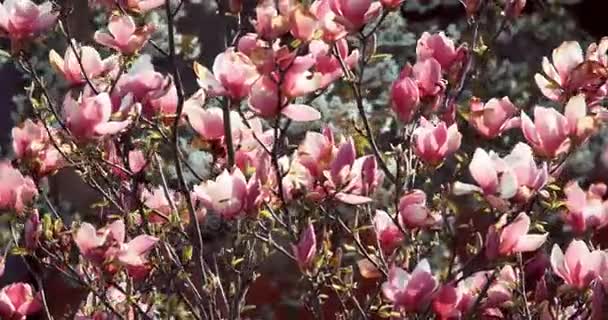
301,112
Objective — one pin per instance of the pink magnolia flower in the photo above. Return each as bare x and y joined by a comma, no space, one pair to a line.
137,161
353,179
391,4
264,100
317,151
405,96
326,62
303,23
557,79
579,266
155,92
332,30
31,143
514,176
89,116
306,249
410,292
159,203
433,143
452,302
548,134
233,75
108,245
586,209
142,5
92,64
299,80
271,21
229,195
354,14
16,191
428,77
124,35
513,238
414,212
439,47
387,232
23,19
209,123
32,230
580,125
494,117
18,301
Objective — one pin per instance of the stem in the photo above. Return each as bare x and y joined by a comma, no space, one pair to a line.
228,132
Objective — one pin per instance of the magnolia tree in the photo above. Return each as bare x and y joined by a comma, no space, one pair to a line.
441,222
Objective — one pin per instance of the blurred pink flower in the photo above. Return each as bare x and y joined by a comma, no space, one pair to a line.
233,75
579,266
264,100
92,64
410,292
494,117
513,238
414,212
405,96
303,23
16,191
227,195
89,116
299,80
306,249
326,62
586,209
124,35
271,21
433,143
428,77
556,81
354,14
32,230
159,203
548,134
439,47
387,232
580,125
23,19
391,4
32,144
514,8
332,30
18,301
137,161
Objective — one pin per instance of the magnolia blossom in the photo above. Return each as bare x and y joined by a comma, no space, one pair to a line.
160,203
92,64
229,195
452,302
354,14
580,125
31,143
548,134
557,79
327,64
142,85
299,80
410,292
579,266
306,249
586,209
494,117
516,176
353,179
331,29
233,75
433,143
303,23
414,212
124,35
391,4
108,245
18,301
513,238
428,76
439,47
23,19
514,8
405,96
264,100
89,117
32,230
16,191
387,232
271,22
